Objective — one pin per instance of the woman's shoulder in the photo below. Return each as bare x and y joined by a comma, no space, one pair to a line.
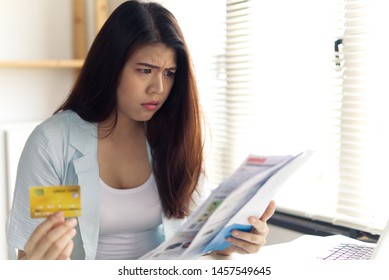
59,119
62,122
61,127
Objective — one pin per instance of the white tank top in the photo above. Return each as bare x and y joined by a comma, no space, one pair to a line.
129,221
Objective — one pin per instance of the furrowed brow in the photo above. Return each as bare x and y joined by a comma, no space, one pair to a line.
155,66
148,65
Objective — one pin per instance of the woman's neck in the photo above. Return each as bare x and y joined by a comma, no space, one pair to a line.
124,129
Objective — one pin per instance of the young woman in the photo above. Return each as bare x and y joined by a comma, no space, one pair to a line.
130,135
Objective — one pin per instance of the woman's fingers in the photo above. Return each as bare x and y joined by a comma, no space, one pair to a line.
271,208
50,238
66,253
250,242
247,242
55,241
40,232
62,248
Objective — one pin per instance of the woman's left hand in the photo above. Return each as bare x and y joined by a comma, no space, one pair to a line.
250,242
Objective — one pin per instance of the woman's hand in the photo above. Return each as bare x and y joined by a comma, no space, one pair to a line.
250,242
51,240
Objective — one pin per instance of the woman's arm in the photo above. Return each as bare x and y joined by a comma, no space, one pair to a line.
40,164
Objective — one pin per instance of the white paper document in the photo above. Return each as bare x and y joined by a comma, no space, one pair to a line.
247,192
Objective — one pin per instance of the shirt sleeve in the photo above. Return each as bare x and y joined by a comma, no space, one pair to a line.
35,168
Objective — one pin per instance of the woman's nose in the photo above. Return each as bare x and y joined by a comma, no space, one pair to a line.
156,85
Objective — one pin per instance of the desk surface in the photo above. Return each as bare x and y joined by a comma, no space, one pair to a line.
279,235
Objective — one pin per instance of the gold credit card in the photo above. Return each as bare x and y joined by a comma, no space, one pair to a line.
46,200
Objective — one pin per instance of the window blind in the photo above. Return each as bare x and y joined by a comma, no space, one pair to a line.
336,99
276,84
229,118
239,88
363,122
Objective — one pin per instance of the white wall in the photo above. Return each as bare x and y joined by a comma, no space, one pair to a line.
33,30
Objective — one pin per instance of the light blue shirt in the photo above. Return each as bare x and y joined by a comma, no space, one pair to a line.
63,151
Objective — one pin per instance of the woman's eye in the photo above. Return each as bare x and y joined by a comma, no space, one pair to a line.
145,71
169,74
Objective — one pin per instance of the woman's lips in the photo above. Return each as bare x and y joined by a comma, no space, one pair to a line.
151,106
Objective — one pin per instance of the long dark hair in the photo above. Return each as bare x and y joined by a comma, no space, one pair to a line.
175,131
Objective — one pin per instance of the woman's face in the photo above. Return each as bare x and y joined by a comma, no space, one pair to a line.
146,81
